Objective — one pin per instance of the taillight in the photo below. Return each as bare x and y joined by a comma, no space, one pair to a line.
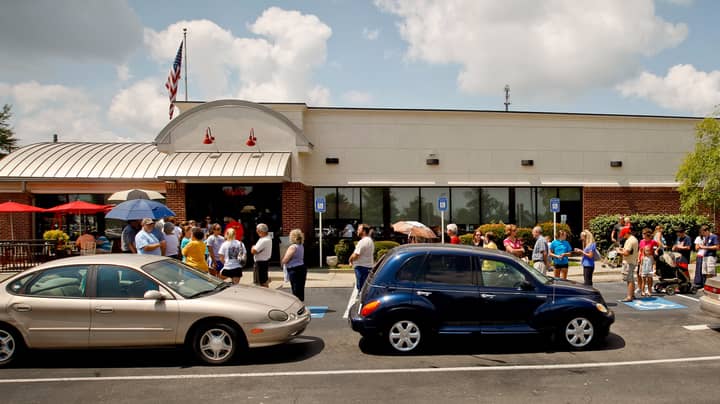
711,289
369,308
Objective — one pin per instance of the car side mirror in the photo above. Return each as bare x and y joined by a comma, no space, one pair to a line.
155,295
526,285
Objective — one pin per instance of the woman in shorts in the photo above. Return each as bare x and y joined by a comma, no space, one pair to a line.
232,253
560,250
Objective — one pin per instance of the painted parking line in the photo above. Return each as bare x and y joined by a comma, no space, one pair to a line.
342,372
700,327
351,301
654,303
688,297
317,311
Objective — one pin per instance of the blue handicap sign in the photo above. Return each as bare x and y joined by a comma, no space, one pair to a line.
442,204
317,311
555,205
654,303
320,205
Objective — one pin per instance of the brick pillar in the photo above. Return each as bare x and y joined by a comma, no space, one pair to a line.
297,208
175,199
22,222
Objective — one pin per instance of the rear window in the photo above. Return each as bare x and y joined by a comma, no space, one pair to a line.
410,269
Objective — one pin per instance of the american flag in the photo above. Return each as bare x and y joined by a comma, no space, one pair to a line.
174,79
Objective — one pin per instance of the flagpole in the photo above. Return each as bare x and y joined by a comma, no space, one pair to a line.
186,62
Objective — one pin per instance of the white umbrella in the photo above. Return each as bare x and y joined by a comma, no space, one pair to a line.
131,194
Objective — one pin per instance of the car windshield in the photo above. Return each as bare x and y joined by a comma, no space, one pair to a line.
539,276
186,281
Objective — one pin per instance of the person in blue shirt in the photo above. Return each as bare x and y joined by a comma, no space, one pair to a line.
145,241
560,250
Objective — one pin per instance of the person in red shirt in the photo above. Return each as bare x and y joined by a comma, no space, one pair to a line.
452,232
231,223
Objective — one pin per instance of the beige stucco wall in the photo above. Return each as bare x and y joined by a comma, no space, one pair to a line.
376,146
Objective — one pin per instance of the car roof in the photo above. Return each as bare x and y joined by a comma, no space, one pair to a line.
135,260
438,248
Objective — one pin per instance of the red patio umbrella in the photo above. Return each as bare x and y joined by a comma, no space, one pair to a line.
78,208
14,207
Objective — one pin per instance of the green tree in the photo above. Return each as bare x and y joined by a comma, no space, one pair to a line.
699,173
8,143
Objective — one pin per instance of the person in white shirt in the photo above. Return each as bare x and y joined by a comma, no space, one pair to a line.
213,242
262,250
233,255
363,256
172,243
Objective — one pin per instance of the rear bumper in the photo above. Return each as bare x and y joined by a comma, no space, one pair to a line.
361,324
710,306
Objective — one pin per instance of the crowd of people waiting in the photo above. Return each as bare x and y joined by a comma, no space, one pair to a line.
216,250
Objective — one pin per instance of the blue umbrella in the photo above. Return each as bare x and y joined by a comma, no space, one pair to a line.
137,209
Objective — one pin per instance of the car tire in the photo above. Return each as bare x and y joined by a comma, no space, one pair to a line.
578,332
405,334
11,345
215,343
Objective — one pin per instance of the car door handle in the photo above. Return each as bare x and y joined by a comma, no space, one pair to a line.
104,310
22,308
422,293
486,296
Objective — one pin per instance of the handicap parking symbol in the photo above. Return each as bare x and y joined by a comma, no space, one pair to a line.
654,303
317,311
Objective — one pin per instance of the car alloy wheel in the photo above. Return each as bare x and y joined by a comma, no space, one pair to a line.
579,332
404,336
8,347
215,344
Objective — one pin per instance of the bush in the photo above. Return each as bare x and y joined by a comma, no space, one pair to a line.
601,226
382,247
497,228
343,250
547,229
467,239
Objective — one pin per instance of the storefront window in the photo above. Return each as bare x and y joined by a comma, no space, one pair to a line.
348,200
543,206
570,194
372,206
525,207
495,203
465,207
404,204
429,213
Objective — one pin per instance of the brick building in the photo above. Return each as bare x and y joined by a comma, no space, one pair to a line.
371,165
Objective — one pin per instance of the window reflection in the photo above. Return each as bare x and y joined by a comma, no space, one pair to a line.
525,207
429,214
494,203
465,207
372,206
404,204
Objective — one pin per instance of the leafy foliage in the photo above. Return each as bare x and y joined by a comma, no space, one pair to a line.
601,226
8,142
345,248
699,173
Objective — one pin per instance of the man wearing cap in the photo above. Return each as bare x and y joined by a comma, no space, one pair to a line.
629,252
145,241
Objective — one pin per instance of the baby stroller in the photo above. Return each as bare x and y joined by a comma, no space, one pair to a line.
672,269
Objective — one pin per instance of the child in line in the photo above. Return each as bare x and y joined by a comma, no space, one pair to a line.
647,261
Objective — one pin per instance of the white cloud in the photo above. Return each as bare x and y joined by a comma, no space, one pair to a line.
553,47
142,107
370,34
276,67
355,97
42,110
123,73
683,89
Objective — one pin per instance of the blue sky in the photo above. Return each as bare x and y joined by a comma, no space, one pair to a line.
95,71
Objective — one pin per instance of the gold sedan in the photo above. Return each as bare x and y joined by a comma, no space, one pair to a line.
123,300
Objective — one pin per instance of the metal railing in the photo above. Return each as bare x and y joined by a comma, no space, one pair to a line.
18,255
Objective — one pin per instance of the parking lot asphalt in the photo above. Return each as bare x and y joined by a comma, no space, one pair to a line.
649,355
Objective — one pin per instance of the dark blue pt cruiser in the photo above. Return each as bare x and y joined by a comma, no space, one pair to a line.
420,290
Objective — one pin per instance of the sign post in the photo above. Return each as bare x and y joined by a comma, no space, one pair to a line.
555,208
442,207
320,207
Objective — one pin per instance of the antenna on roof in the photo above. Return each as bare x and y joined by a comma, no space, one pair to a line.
55,138
507,97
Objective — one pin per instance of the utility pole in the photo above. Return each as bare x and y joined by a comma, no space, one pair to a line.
186,61
507,97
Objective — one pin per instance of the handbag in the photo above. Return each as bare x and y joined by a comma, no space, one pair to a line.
597,256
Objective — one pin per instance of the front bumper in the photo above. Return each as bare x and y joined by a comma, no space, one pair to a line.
276,332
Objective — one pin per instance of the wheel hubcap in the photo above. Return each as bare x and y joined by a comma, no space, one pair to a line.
579,332
216,344
404,336
7,345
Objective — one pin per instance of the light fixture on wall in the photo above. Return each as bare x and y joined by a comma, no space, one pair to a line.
615,163
432,160
527,163
332,160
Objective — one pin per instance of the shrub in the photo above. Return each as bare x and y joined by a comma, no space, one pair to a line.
466,239
601,226
343,250
547,229
57,235
382,247
497,228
